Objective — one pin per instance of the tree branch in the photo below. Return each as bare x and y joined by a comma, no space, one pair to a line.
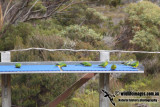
52,13
23,5
22,12
27,14
7,8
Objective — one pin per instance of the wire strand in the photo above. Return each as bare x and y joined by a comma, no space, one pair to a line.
82,50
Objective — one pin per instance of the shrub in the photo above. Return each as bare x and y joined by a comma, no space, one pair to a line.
37,90
21,31
141,31
80,33
141,27
47,27
81,14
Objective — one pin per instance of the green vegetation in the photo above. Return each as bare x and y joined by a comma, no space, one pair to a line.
142,27
141,33
91,24
88,99
30,90
38,90
76,32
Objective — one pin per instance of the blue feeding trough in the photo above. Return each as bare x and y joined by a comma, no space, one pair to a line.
72,67
95,67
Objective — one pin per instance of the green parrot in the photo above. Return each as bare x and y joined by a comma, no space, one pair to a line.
127,62
17,65
104,64
113,67
61,64
86,64
135,65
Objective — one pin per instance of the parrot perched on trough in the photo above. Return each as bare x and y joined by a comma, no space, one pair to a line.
135,65
17,65
104,64
113,67
127,62
86,64
61,64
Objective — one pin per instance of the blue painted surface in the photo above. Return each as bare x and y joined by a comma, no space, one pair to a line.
120,67
29,68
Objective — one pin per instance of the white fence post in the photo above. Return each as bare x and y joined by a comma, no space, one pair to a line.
6,82
104,82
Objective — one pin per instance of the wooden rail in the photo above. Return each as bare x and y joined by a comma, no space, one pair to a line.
71,89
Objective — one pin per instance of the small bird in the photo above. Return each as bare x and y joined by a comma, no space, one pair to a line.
86,64
135,65
113,67
61,64
18,65
104,64
127,62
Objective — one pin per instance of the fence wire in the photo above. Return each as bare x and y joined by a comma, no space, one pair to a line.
81,50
